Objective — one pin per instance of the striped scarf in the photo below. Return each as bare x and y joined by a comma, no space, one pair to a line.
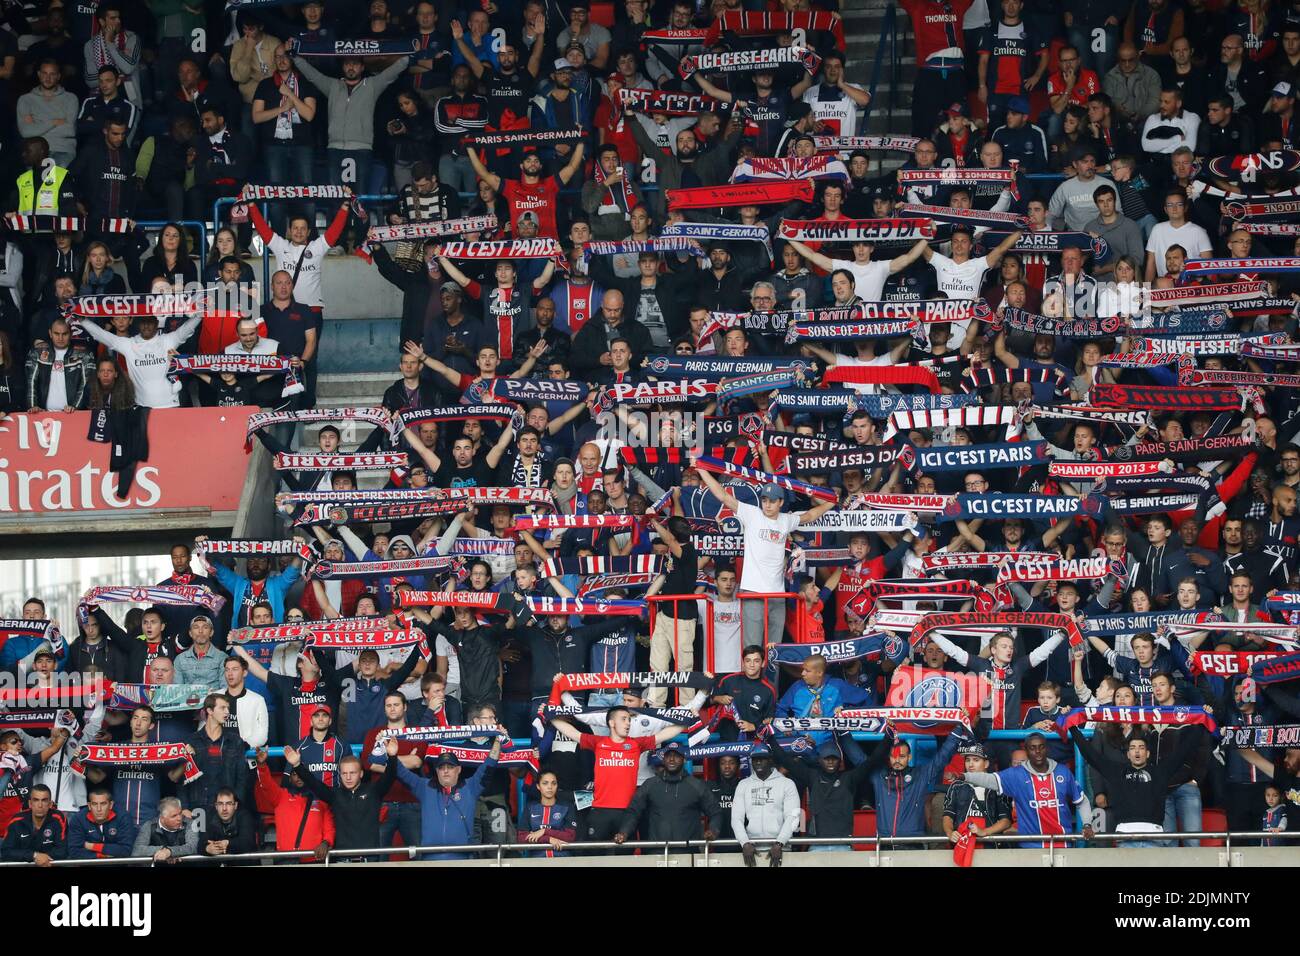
236,365
631,564
988,376
977,416
778,192
968,217
750,23
857,230
755,477
955,176
326,570
435,229
172,595
119,755
42,223
375,416
767,169
848,144
1004,620
376,461
748,61
665,101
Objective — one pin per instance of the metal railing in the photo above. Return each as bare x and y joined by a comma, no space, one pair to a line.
666,848
202,227
888,42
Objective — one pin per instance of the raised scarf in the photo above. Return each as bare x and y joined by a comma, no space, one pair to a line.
164,698
961,620
1270,228
1261,207
821,462
1213,344
1279,350
977,416
1281,736
953,176
1060,569
666,102
379,634
433,734
968,217
719,367
117,755
1094,470
378,417
349,48
718,545
432,229
777,192
756,478
1036,508
577,683
946,560
41,223
767,169
1226,663
911,589
1162,397
600,564
137,305
523,137
523,756
1275,670
883,404
478,547
1086,328
39,630
801,331
375,461
1205,267
1218,376
294,546
536,522
735,388
478,600
789,441
656,393
929,720
1112,714
1112,625
748,61
507,249
1191,320
1088,413
1150,504
866,647
173,595
848,144
493,412
236,365
978,377
750,23
1220,292
1052,243
326,570
1277,633
870,521
921,504
615,582
884,375
633,247
1186,449
981,457
255,193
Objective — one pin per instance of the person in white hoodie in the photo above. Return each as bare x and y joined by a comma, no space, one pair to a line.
765,807
147,356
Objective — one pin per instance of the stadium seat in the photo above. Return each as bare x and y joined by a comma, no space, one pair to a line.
603,13
864,824
1212,818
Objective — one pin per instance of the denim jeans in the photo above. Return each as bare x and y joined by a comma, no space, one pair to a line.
1183,805
350,167
402,818
831,848
457,172
290,166
1099,61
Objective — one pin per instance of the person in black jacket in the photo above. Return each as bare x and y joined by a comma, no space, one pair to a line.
477,647
674,801
92,649
421,295
1136,787
357,802
39,834
222,163
830,789
591,345
227,831
218,752
557,648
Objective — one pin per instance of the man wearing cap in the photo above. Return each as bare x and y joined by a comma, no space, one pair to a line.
831,791
955,139
988,811
1279,117
321,749
147,356
765,807
1020,139
672,803
203,663
448,804
766,530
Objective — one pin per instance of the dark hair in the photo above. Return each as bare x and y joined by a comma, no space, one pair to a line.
752,648
1103,191
211,701
609,714
225,792
149,710
395,693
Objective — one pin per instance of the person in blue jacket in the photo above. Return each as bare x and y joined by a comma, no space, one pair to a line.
98,831
259,587
901,790
447,804
817,695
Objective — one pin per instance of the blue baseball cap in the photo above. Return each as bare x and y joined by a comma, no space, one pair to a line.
772,490
760,750
1018,104
673,747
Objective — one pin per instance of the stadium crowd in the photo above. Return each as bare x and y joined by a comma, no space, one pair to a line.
747,471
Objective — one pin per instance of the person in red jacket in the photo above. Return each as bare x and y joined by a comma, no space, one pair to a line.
301,821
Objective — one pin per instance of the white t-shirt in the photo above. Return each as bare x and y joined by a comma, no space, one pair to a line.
765,538
56,400
869,278
840,116
959,280
727,640
147,360
444,648
307,288
1189,235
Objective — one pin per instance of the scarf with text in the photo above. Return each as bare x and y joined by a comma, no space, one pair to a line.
430,564
735,388
1093,470
766,169
507,249
857,230
777,192
921,504
526,390
1226,663
254,193
800,331
633,247
523,137
1189,320
493,412
1280,349
434,229
374,461
1088,413
1085,328
654,393
756,478
867,459
869,521
748,61
1150,504
378,417
972,416
1113,625
967,217
164,698
351,48
926,311
882,404
1266,306
171,595
379,634
1259,207
541,522
946,560
1212,344
294,546
520,757
630,564
1219,376
955,176
1051,243
1141,359
981,457
480,547
719,367
236,365
666,102
1270,228
38,630
1281,736
848,144
914,720
1282,634
863,603
615,582
1186,449
1205,267
1275,670
577,683
1218,292
1060,569
961,620
1156,716
1164,397
434,734
718,545
140,304
119,755
1037,508
869,647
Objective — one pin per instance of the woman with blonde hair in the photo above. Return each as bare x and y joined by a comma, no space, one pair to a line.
97,275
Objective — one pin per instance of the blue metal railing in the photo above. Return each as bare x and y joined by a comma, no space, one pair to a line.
888,40
202,227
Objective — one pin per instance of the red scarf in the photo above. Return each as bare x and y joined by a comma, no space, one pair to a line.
628,197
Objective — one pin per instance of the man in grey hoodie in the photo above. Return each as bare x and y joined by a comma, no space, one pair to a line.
351,115
765,807
50,111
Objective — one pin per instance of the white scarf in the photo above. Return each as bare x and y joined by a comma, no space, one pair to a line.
284,122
